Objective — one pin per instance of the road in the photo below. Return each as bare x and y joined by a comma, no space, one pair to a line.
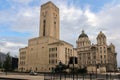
26,76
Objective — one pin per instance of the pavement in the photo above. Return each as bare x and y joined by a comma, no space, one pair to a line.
22,77
29,77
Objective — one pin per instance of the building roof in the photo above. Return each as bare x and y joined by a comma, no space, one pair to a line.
101,34
83,34
50,2
60,42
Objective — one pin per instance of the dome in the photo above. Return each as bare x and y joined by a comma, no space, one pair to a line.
83,35
112,45
101,35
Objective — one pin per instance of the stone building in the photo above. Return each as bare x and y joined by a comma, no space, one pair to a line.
96,57
47,50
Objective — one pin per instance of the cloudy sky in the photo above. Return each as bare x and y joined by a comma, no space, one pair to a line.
19,21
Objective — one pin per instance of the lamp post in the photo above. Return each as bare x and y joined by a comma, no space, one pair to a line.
73,66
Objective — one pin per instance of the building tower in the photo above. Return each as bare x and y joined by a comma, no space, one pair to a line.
101,39
83,46
43,53
102,54
112,62
49,20
83,40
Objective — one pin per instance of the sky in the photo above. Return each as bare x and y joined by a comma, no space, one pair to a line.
19,22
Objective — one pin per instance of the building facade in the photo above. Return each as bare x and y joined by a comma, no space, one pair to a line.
47,50
14,61
100,56
43,53
2,58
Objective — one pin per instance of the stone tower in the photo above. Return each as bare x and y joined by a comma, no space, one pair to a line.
49,20
43,53
101,39
102,49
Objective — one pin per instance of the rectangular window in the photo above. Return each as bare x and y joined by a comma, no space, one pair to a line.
105,61
49,61
105,56
44,23
56,48
56,60
65,50
31,49
104,51
100,48
101,56
56,54
89,57
49,49
101,62
94,57
52,49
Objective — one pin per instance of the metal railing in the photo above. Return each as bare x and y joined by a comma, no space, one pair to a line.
65,76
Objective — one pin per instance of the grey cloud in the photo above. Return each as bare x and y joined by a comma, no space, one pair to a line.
107,20
11,47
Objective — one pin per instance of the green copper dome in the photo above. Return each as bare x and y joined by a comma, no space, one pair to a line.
83,35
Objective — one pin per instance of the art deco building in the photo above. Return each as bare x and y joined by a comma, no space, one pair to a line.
45,51
100,56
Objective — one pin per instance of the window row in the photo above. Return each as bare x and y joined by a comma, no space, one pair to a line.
22,57
67,50
89,58
103,61
103,57
23,53
52,49
52,55
53,61
22,62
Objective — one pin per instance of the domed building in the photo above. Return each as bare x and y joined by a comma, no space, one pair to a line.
83,40
100,56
